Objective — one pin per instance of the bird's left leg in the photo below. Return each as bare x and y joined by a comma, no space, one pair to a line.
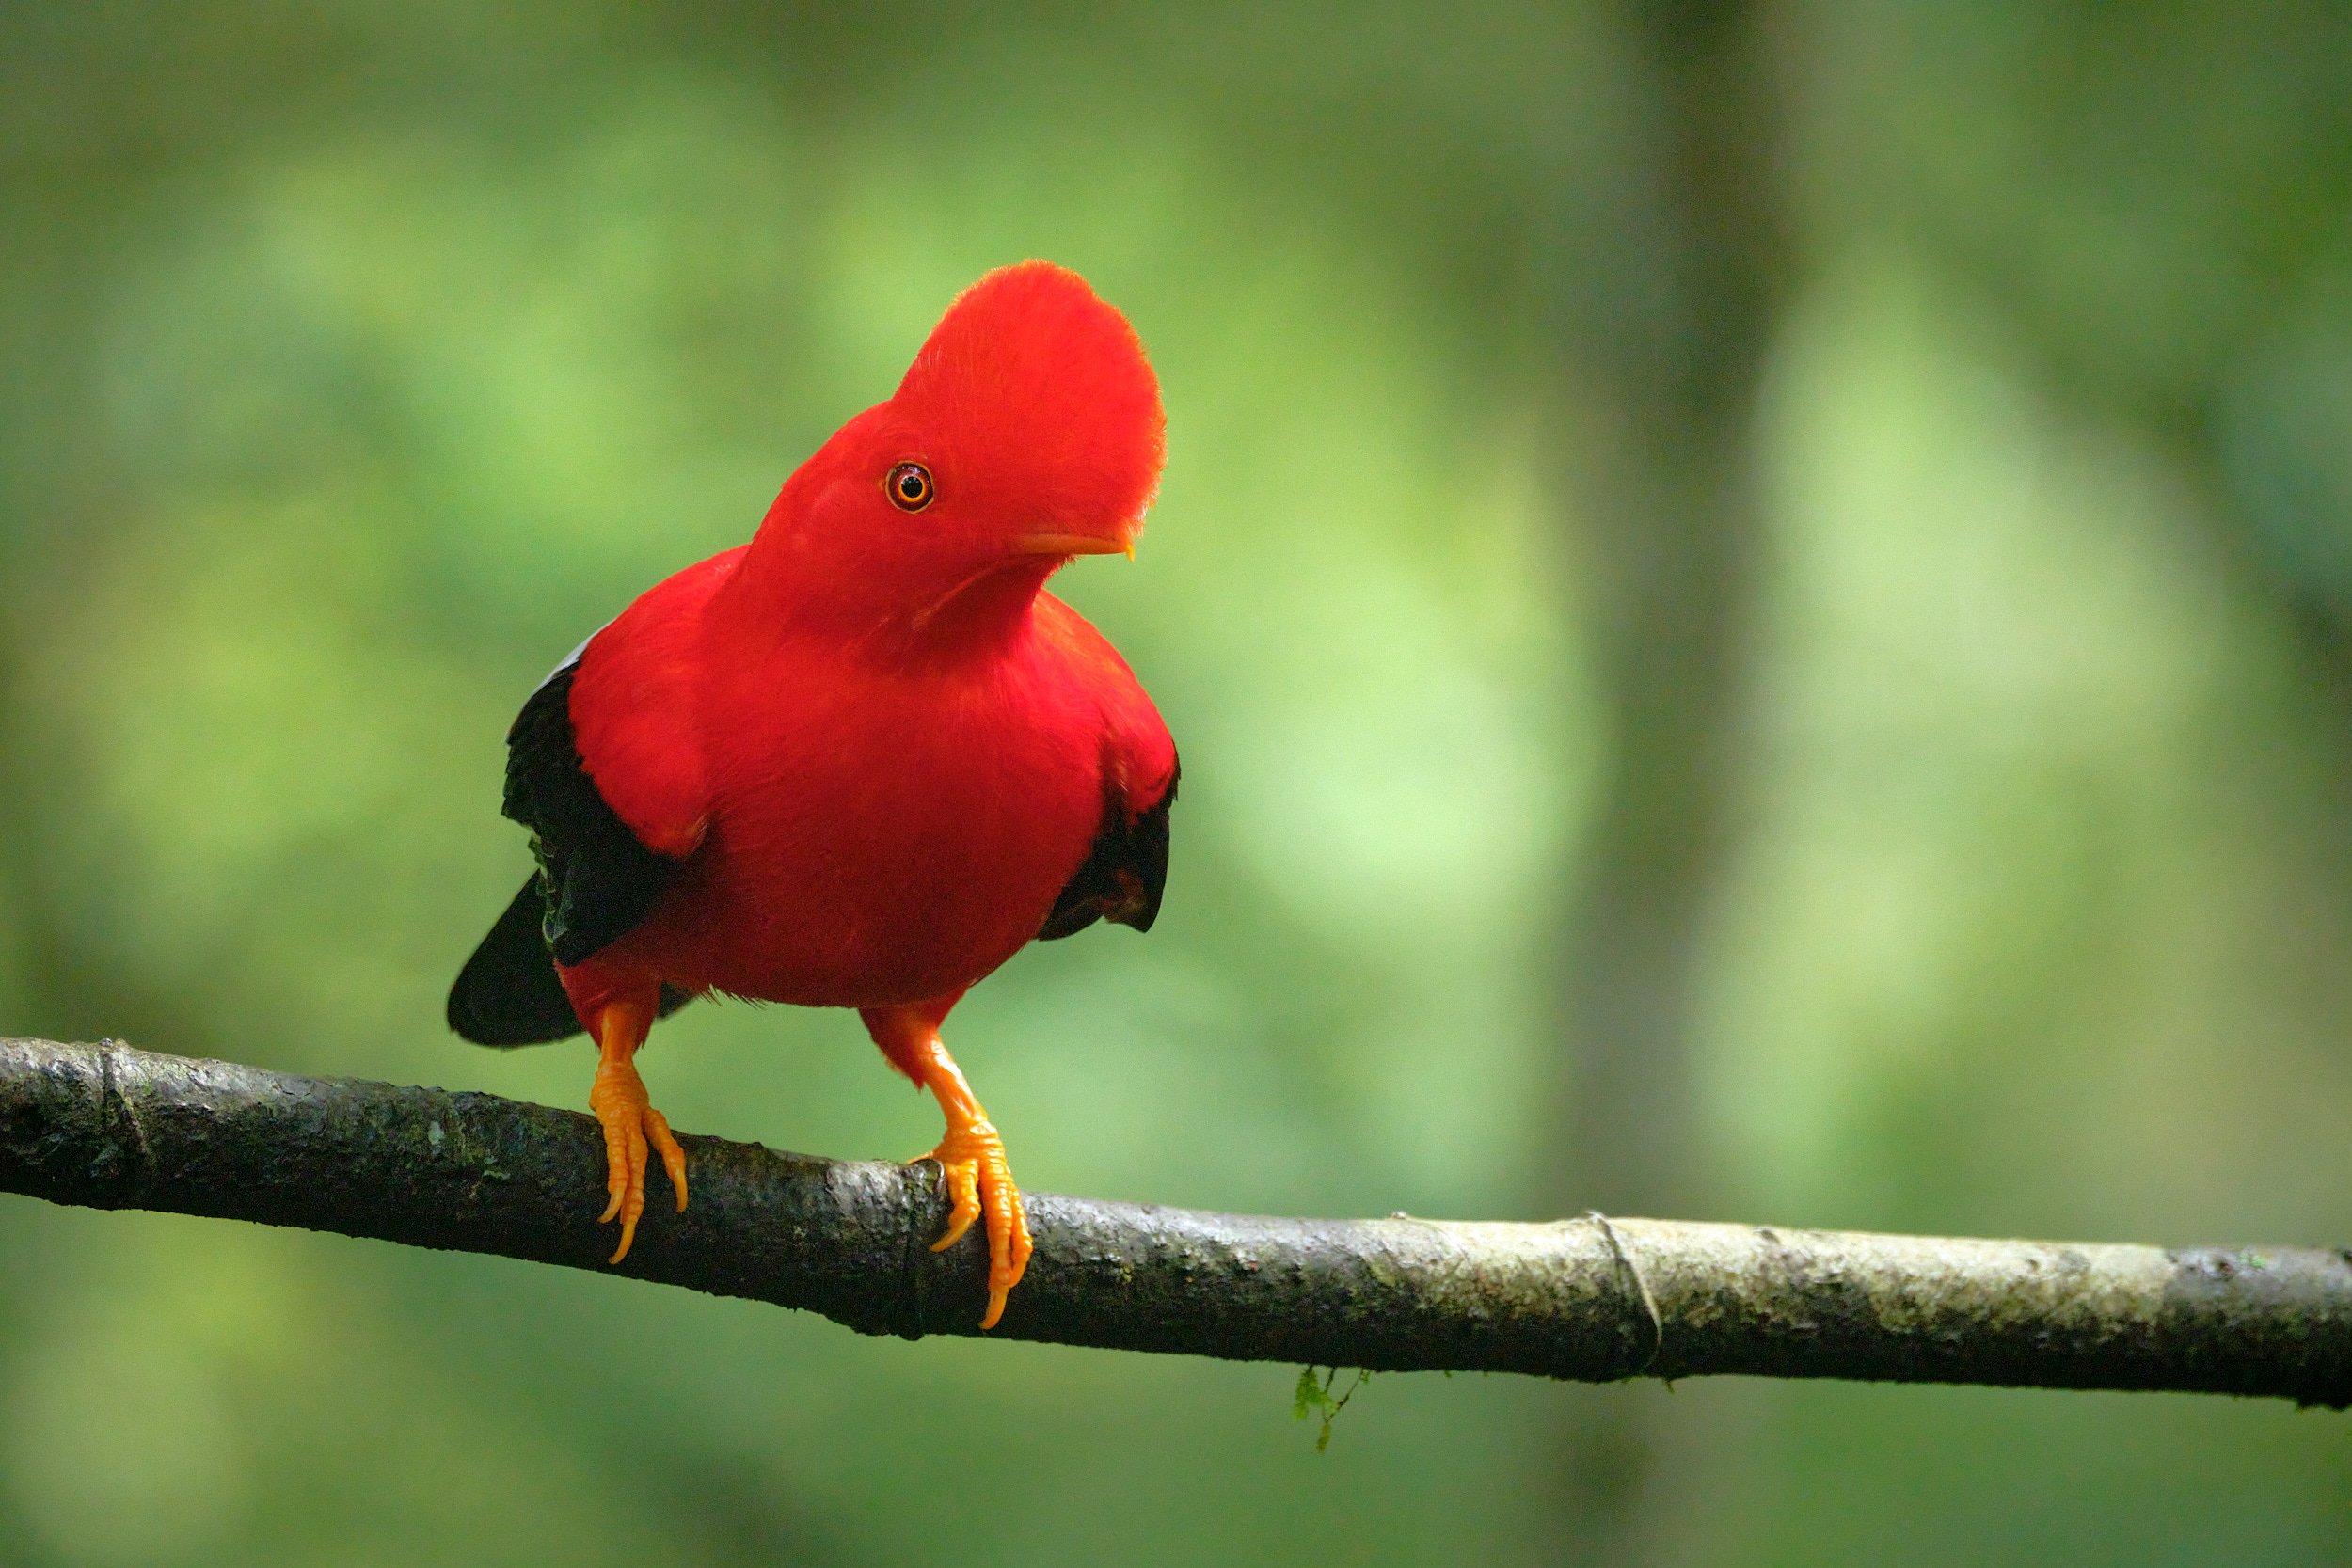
971,1154
630,1123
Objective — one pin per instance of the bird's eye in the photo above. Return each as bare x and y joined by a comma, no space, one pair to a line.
910,486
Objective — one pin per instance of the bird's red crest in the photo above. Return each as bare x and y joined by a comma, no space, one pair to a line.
1039,390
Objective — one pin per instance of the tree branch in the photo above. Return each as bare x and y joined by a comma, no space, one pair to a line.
108,1127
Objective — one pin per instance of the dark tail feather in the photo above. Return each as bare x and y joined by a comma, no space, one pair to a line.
507,993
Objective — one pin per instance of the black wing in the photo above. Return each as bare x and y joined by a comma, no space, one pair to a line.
595,880
600,878
1124,875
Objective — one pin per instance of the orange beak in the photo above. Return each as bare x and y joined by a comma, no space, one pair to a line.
1122,543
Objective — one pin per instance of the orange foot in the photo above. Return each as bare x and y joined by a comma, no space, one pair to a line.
980,1181
972,1156
632,1128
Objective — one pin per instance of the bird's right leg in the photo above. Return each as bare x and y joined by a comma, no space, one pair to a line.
971,1155
633,1130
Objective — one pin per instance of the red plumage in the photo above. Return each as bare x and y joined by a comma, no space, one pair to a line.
875,824
869,754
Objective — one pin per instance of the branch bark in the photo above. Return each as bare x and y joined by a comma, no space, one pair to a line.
107,1127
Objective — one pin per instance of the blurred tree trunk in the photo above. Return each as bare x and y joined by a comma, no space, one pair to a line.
1671,285
43,333
54,499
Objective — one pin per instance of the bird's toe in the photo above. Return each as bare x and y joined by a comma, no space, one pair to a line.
980,1185
633,1132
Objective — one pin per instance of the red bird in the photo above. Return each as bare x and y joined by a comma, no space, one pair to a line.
862,760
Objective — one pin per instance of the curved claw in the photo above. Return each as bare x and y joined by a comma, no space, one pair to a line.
962,1176
980,1181
673,1158
633,1132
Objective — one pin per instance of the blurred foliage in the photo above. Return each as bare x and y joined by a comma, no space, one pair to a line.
361,359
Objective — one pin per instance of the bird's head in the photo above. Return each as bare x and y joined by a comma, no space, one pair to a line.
1028,430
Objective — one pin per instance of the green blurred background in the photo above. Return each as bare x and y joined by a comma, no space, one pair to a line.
1758,599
